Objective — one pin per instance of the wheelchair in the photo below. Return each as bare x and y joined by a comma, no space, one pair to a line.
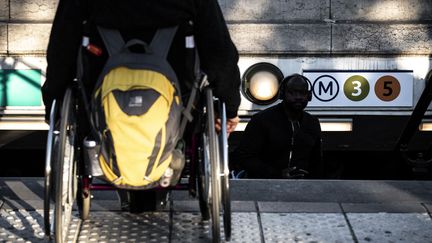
205,175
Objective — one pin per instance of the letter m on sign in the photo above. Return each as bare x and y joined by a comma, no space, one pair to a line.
329,87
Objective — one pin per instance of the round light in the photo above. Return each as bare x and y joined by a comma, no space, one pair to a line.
260,83
263,85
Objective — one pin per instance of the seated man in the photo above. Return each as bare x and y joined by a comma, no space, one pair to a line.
283,141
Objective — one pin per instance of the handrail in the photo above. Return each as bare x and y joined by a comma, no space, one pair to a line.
419,161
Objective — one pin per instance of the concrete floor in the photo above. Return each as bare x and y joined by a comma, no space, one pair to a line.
262,211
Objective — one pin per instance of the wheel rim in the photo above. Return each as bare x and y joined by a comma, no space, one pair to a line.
48,168
215,170
66,176
226,199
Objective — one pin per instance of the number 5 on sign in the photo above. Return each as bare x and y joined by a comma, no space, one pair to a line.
356,88
387,88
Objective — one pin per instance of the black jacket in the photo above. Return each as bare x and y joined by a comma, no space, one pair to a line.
266,144
140,19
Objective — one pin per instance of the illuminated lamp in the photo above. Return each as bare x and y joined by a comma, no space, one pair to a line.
426,126
260,83
336,125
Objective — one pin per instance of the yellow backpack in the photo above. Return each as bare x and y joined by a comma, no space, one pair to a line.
137,107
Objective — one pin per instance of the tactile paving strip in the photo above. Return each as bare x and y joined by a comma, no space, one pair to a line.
305,227
188,227
21,226
28,226
122,227
392,227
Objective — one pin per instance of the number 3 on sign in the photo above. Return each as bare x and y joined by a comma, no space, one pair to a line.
356,88
356,85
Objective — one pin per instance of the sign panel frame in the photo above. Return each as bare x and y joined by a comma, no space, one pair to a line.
361,88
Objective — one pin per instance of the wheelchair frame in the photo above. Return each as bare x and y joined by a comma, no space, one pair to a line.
65,185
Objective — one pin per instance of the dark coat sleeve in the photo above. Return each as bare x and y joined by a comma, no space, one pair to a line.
218,54
62,51
250,151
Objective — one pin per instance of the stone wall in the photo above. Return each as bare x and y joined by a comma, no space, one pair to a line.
330,26
297,27
25,26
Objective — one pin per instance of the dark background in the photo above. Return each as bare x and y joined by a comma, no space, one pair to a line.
25,157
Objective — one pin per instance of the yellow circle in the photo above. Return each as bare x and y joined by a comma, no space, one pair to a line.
356,88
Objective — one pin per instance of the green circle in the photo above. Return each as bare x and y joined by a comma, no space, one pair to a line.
356,88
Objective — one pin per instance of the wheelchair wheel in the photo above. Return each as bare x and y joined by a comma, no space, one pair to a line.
203,177
214,176
49,152
84,197
65,174
226,199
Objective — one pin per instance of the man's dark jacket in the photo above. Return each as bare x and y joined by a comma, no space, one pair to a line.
266,144
140,19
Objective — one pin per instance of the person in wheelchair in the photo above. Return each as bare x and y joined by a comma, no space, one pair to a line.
138,19
283,141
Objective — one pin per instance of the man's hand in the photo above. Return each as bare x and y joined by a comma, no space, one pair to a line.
294,173
231,124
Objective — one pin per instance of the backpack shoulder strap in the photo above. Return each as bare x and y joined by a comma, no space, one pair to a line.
162,40
112,39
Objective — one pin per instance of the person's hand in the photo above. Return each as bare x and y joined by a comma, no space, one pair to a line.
293,173
231,124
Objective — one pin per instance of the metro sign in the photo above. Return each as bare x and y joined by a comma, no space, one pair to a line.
361,88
